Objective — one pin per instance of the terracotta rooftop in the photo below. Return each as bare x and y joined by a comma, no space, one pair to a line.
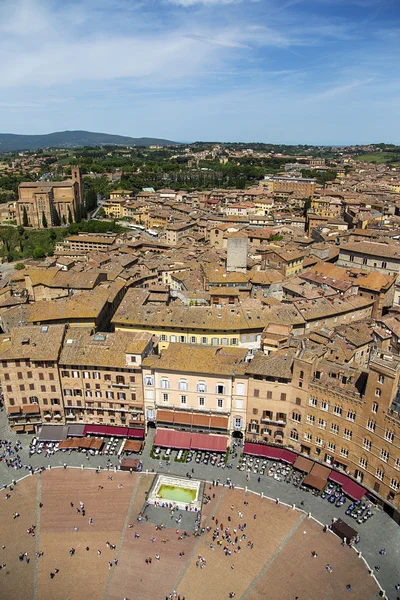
37,343
81,347
192,358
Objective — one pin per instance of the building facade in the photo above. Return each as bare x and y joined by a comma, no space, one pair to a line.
180,392
344,417
50,203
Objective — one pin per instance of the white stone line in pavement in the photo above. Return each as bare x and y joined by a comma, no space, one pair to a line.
37,537
271,559
122,536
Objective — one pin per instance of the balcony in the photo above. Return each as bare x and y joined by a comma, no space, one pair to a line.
272,421
120,385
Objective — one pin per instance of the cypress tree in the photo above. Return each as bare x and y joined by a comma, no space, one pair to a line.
44,220
70,219
56,218
24,217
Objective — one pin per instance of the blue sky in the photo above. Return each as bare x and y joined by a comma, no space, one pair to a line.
281,71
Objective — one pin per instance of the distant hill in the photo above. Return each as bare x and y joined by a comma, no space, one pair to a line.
10,142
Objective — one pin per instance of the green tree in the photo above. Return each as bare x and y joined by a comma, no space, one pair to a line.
53,235
20,230
38,253
101,212
25,221
73,229
70,219
19,266
90,200
78,217
44,220
307,205
64,220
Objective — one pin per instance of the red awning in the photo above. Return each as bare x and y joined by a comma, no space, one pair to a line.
349,487
135,433
271,452
337,477
288,456
354,490
168,438
184,440
212,443
107,430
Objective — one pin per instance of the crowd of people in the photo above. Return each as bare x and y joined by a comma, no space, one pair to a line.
10,454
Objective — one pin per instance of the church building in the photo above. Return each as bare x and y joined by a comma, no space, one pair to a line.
50,203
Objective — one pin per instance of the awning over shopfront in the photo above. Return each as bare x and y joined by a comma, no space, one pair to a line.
76,430
168,438
85,443
135,433
13,410
303,464
70,443
353,490
349,487
337,477
320,471
201,421
108,430
188,419
314,481
183,418
288,456
53,433
136,423
212,443
133,446
219,422
184,440
31,409
271,452
165,416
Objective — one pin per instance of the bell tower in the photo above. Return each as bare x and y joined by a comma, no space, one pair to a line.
76,176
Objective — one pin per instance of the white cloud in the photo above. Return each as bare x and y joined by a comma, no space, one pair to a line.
342,89
225,43
63,55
